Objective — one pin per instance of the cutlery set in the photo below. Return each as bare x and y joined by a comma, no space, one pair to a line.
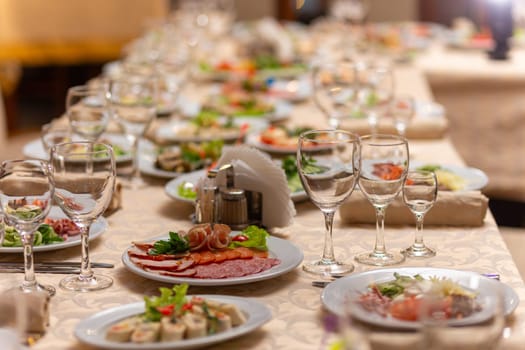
60,267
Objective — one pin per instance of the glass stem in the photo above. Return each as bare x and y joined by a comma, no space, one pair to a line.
29,267
379,248
328,250
85,266
418,242
135,173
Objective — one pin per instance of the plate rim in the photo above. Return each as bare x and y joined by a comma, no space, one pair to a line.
102,221
328,299
39,153
274,243
257,317
483,177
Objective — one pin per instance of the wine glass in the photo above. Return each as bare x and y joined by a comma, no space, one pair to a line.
334,85
376,88
329,178
84,177
383,171
87,111
402,109
53,133
133,101
419,194
26,192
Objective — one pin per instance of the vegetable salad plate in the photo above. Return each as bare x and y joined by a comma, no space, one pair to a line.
289,255
97,228
335,296
35,149
93,329
455,177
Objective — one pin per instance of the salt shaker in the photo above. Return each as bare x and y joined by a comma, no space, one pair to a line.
233,208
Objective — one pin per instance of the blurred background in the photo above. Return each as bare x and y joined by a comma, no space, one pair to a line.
48,46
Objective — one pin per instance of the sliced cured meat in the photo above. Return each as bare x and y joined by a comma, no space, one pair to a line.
234,268
206,257
232,254
197,236
166,265
186,273
139,253
246,253
143,245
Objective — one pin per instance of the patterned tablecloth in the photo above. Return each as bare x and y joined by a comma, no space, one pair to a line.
297,321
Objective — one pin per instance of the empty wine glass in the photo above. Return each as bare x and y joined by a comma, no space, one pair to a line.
133,101
329,178
26,193
383,171
84,177
334,85
87,111
53,133
402,109
376,88
419,194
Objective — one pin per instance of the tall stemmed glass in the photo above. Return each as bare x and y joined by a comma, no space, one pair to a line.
376,88
84,177
26,192
383,171
329,177
334,85
419,194
402,109
133,101
87,111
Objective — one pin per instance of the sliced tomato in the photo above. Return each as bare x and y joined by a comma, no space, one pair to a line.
240,238
406,309
166,310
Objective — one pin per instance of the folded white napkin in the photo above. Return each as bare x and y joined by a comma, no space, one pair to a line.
255,171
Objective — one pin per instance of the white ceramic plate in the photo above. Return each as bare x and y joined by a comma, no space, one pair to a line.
97,228
172,187
171,132
282,111
35,149
254,140
475,179
92,330
289,254
335,295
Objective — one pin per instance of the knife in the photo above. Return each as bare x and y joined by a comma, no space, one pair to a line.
60,270
54,264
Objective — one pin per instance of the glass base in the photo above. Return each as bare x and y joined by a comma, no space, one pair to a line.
80,284
418,252
380,259
50,290
328,268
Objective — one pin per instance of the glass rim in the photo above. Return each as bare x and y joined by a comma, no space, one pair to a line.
353,136
63,145
78,89
396,139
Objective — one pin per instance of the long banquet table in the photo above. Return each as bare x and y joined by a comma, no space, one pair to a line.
295,305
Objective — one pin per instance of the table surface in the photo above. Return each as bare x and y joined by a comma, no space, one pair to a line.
294,303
